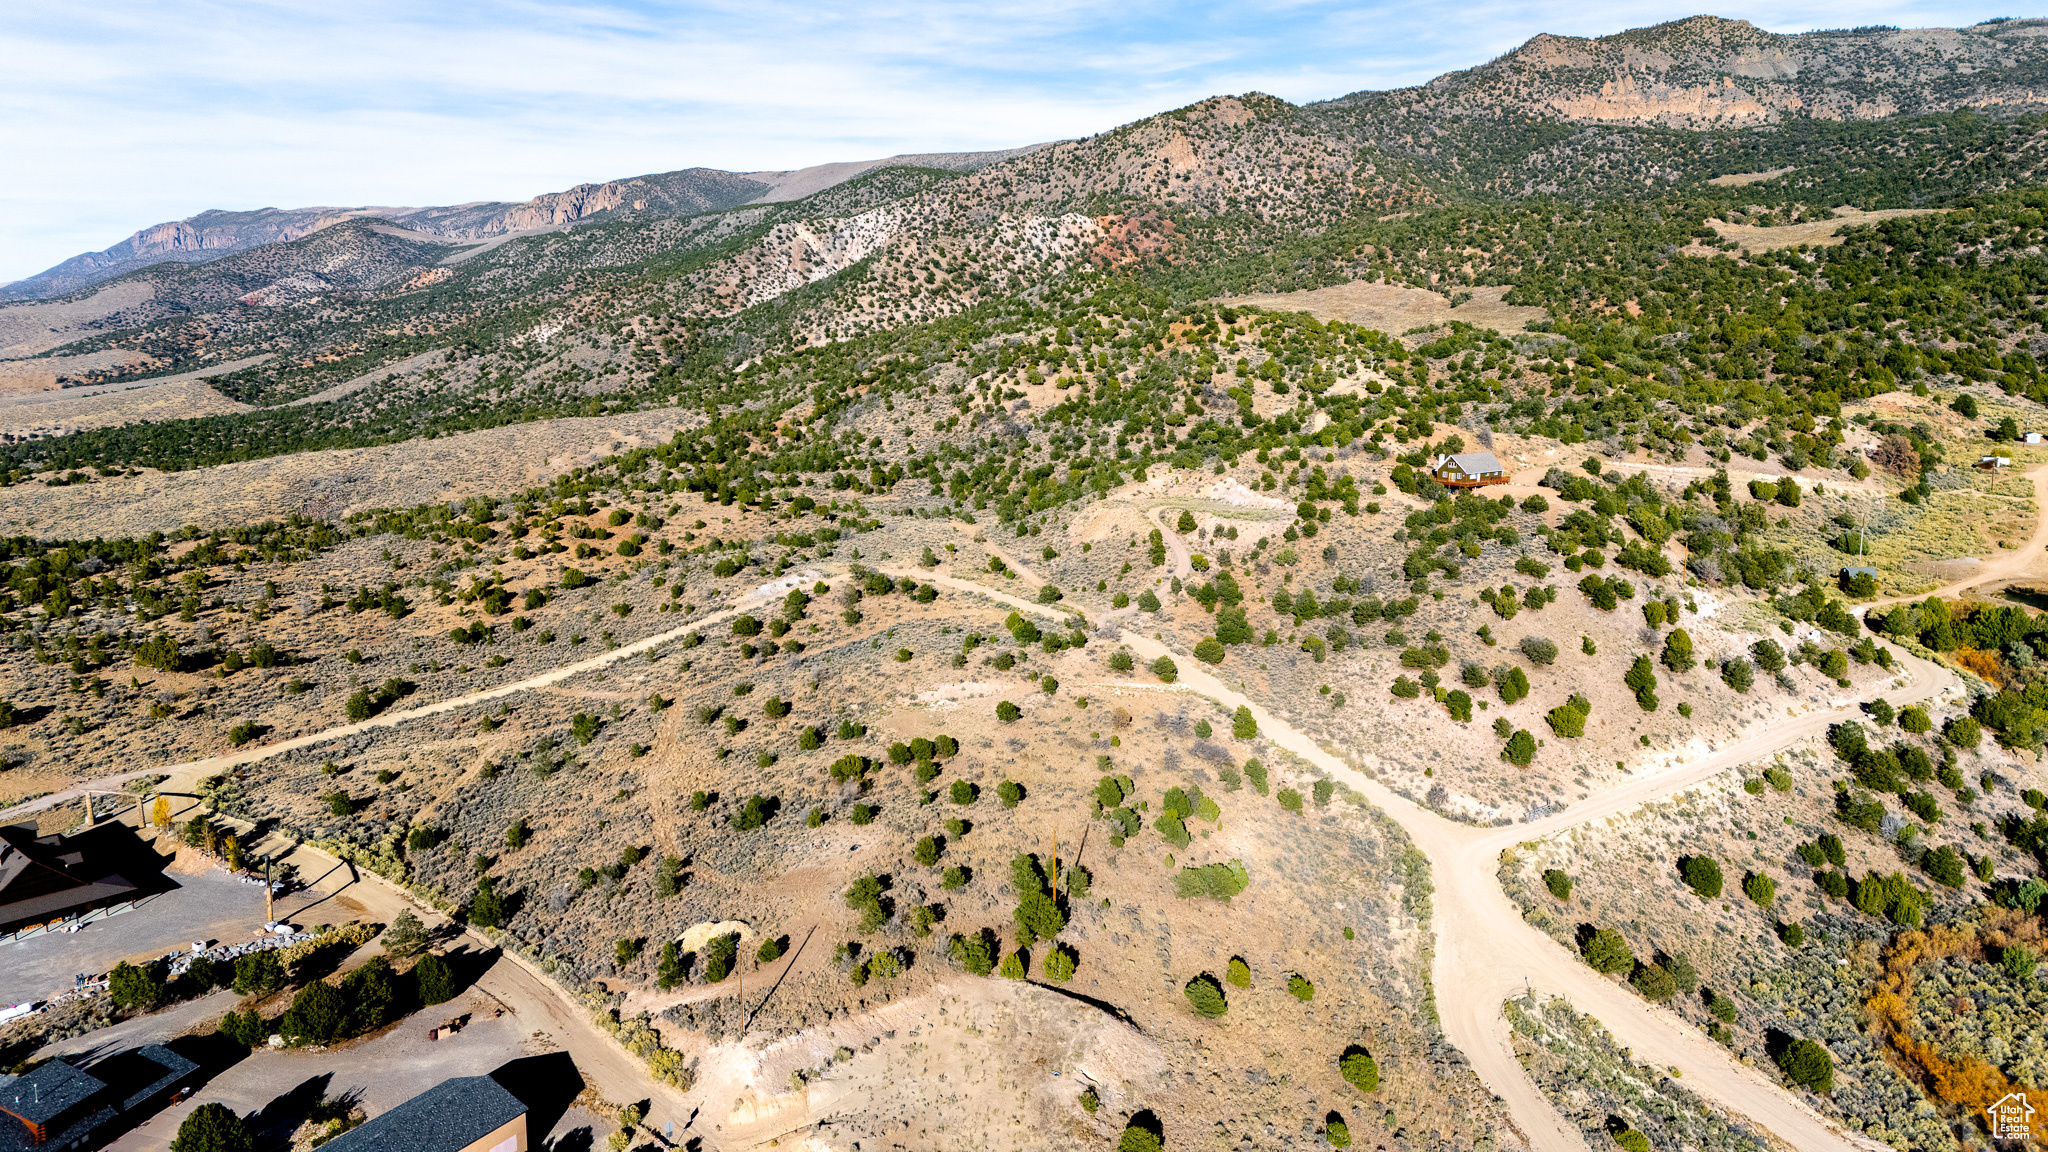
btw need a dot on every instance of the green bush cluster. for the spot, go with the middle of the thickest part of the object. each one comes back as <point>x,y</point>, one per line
<point>1568,720</point>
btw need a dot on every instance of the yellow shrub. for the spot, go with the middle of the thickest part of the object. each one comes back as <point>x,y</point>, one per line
<point>1982,664</point>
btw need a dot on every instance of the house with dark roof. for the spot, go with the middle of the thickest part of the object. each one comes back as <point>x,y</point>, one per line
<point>59,1106</point>
<point>467,1114</point>
<point>47,880</point>
<point>1468,470</point>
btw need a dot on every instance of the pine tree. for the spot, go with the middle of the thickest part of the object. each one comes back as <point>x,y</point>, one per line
<point>406,936</point>
<point>1205,996</point>
<point>486,908</point>
<point>213,1128</point>
<point>434,979</point>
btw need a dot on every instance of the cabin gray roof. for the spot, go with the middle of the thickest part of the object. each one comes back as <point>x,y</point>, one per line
<point>1473,463</point>
<point>451,1115</point>
<point>75,1107</point>
<point>47,1092</point>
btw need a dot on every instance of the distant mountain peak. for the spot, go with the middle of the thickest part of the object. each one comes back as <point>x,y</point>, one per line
<point>1713,72</point>
<point>216,232</point>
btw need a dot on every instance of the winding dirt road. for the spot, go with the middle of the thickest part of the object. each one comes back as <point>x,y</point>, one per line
<point>605,1064</point>
<point>1485,952</point>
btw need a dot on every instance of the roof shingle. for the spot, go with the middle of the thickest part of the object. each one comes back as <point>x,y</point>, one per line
<point>451,1115</point>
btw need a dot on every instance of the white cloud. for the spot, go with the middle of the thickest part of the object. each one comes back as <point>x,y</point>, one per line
<point>117,115</point>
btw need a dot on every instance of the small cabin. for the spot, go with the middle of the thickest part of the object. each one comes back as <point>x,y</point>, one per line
<point>60,1106</point>
<point>466,1114</point>
<point>1994,462</point>
<point>1468,470</point>
<point>2035,438</point>
<point>1859,581</point>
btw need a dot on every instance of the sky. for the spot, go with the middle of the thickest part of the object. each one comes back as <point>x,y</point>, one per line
<point>118,114</point>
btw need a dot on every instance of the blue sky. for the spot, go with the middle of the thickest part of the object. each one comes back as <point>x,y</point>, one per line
<point>119,114</point>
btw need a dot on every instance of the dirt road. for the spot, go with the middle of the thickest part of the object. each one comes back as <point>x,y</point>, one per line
<point>341,891</point>
<point>184,776</point>
<point>540,1003</point>
<point>2014,563</point>
<point>1486,953</point>
<point>545,1005</point>
<point>1737,476</point>
<point>1178,556</point>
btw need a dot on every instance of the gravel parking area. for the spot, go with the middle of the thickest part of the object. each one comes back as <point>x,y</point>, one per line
<point>206,906</point>
<point>276,1087</point>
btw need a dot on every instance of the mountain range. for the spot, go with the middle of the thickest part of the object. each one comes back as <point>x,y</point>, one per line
<point>1703,73</point>
<point>1231,194</point>
<point>213,234</point>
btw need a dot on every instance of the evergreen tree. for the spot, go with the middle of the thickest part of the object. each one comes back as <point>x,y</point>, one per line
<point>1205,996</point>
<point>434,979</point>
<point>213,1127</point>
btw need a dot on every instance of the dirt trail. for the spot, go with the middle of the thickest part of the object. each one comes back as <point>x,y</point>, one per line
<point>184,776</point>
<point>1736,475</point>
<point>605,1065</point>
<point>1486,953</point>
<point>2014,563</point>
<point>1179,557</point>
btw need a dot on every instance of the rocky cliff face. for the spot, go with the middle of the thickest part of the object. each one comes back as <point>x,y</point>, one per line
<point>1706,72</point>
<point>683,193</point>
<point>207,236</point>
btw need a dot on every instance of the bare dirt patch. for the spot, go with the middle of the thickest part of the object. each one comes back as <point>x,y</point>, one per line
<point>329,484</point>
<point>994,1050</point>
<point>1394,308</point>
<point>26,329</point>
<point>1744,179</point>
<point>30,376</point>
<point>47,413</point>
<point>1755,239</point>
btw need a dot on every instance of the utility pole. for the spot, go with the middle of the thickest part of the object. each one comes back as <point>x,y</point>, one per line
<point>1055,864</point>
<point>88,808</point>
<point>269,896</point>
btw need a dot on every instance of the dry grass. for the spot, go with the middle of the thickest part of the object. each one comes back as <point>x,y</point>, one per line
<point>331,484</point>
<point>1814,232</point>
<point>1397,308</point>
<point>1743,179</point>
